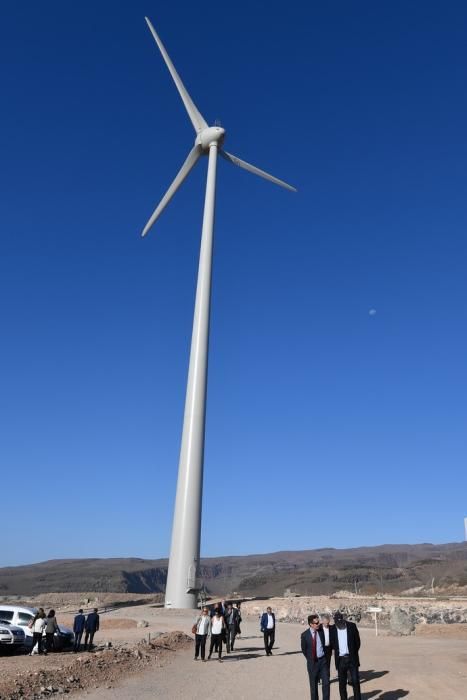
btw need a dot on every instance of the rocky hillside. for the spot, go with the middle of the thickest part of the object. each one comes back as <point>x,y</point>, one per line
<point>398,615</point>
<point>366,570</point>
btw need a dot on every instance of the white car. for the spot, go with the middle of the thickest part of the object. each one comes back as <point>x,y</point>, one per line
<point>11,635</point>
<point>21,617</point>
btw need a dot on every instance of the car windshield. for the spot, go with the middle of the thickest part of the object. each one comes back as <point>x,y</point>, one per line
<point>4,622</point>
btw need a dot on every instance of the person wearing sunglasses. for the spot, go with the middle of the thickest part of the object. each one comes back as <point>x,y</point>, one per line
<point>313,649</point>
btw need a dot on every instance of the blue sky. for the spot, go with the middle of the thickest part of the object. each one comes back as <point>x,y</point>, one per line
<point>327,425</point>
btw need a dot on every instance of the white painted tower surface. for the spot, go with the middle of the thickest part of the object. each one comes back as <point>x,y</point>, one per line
<point>183,583</point>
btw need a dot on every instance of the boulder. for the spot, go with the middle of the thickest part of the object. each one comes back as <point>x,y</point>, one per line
<point>400,622</point>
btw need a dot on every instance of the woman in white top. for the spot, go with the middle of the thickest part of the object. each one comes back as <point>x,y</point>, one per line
<point>217,633</point>
<point>203,628</point>
<point>38,626</point>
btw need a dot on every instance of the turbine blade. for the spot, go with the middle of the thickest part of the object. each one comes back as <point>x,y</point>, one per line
<point>190,162</point>
<point>197,119</point>
<point>256,171</point>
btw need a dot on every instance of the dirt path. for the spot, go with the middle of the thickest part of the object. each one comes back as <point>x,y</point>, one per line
<point>392,668</point>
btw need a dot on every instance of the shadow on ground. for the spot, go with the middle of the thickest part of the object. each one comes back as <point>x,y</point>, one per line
<point>387,695</point>
<point>241,657</point>
<point>371,675</point>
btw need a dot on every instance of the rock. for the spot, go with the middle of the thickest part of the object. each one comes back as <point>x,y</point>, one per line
<point>401,622</point>
<point>142,623</point>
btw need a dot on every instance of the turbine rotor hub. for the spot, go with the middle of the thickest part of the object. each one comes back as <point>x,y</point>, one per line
<point>212,134</point>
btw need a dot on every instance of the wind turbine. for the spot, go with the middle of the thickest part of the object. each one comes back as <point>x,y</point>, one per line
<point>182,576</point>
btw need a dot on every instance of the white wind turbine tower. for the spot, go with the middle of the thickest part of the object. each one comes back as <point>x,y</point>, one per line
<point>182,577</point>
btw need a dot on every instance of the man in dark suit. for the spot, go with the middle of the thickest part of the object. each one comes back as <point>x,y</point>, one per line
<point>325,623</point>
<point>231,621</point>
<point>268,628</point>
<point>91,627</point>
<point>78,629</point>
<point>345,641</point>
<point>313,649</point>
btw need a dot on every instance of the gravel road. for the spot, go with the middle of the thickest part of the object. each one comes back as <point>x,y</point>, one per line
<point>392,668</point>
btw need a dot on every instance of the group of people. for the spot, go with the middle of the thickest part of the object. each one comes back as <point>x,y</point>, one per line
<point>318,643</point>
<point>88,625</point>
<point>222,623</point>
<point>41,623</point>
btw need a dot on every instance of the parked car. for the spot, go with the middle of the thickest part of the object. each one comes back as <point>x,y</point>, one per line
<point>22,616</point>
<point>11,636</point>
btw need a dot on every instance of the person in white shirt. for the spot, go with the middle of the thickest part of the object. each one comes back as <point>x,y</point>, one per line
<point>345,641</point>
<point>313,644</point>
<point>268,628</point>
<point>38,626</point>
<point>325,623</point>
<point>217,633</point>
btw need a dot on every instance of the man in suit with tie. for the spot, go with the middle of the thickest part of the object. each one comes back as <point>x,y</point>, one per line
<point>313,649</point>
<point>345,640</point>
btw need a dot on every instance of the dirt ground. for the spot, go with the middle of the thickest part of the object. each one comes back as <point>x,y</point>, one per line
<point>33,677</point>
<point>391,668</point>
<point>156,661</point>
<point>453,631</point>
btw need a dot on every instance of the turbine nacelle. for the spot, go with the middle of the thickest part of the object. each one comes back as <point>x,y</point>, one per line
<point>212,134</point>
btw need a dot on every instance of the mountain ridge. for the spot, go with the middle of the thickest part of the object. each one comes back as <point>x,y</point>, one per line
<point>389,568</point>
